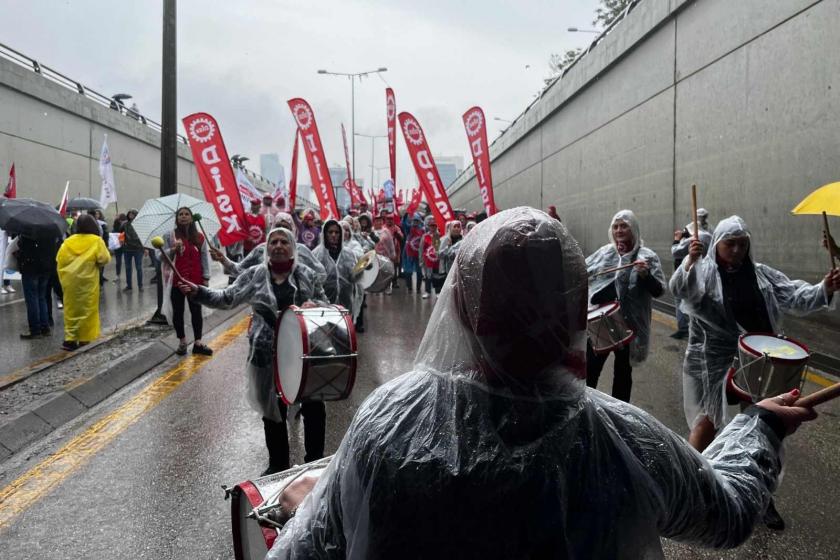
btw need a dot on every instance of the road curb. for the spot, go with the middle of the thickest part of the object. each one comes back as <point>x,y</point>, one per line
<point>56,409</point>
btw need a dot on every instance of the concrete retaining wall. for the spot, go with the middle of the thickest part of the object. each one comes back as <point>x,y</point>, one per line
<point>54,134</point>
<point>741,98</point>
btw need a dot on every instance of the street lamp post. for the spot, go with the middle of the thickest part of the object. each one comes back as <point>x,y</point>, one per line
<point>373,138</point>
<point>353,76</point>
<point>578,30</point>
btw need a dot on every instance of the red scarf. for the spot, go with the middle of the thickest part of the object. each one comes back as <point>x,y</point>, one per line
<point>281,268</point>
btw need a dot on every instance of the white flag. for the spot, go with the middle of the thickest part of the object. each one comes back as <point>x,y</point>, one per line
<point>106,171</point>
<point>246,186</point>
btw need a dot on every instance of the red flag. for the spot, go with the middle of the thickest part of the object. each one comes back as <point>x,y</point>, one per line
<point>424,165</point>
<point>62,206</point>
<point>11,186</point>
<point>314,150</point>
<point>476,126</point>
<point>415,202</point>
<point>349,183</point>
<point>216,175</point>
<point>391,104</point>
<point>293,178</point>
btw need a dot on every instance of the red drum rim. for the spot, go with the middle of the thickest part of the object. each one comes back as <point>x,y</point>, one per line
<point>252,494</point>
<point>602,309</point>
<point>734,389</point>
<point>776,359</point>
<point>620,344</point>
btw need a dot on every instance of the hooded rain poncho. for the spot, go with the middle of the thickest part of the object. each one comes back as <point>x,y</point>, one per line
<point>493,447</point>
<point>633,295</point>
<point>340,286</point>
<point>254,286</point>
<point>79,259</point>
<point>713,334</point>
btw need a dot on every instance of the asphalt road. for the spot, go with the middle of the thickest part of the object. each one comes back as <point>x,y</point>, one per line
<point>140,476</point>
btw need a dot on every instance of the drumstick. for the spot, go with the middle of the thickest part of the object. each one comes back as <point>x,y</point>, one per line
<point>694,211</point>
<point>821,396</point>
<point>157,243</point>
<point>828,239</point>
<point>197,219</point>
<point>617,268</point>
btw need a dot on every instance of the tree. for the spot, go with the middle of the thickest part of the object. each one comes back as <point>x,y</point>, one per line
<point>559,62</point>
<point>609,10</point>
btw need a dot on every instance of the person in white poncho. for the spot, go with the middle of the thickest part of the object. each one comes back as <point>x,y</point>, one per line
<point>493,446</point>
<point>634,288</point>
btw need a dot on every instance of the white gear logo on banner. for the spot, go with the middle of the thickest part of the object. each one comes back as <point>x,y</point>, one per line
<point>202,130</point>
<point>303,116</point>
<point>474,122</point>
<point>412,132</point>
<point>392,108</point>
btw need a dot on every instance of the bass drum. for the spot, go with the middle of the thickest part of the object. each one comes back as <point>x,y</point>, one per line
<point>767,365</point>
<point>252,539</point>
<point>315,356</point>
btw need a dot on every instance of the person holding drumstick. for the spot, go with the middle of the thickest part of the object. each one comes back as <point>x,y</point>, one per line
<point>493,446</point>
<point>279,282</point>
<point>626,271</point>
<point>725,294</point>
<point>679,250</point>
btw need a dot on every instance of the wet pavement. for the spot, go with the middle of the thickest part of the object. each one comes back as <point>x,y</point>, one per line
<point>118,310</point>
<point>151,486</point>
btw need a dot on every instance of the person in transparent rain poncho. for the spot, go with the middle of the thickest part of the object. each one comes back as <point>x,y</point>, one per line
<point>725,294</point>
<point>493,446</point>
<point>449,245</point>
<point>257,254</point>
<point>634,288</point>
<point>338,260</point>
<point>679,250</point>
<point>280,281</point>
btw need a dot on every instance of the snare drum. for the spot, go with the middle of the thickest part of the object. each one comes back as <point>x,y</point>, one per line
<point>252,539</point>
<point>377,275</point>
<point>315,354</point>
<point>607,329</point>
<point>767,365</point>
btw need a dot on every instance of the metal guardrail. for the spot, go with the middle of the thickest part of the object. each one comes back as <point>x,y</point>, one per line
<point>70,84</point>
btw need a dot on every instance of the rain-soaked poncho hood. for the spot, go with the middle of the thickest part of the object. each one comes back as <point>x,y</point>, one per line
<point>496,449</point>
<point>339,284</point>
<point>630,288</point>
<point>713,332</point>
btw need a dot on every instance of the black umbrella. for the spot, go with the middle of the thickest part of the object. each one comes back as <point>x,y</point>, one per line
<point>83,203</point>
<point>31,218</point>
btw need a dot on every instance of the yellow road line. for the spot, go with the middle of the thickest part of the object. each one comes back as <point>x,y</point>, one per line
<point>810,375</point>
<point>35,483</point>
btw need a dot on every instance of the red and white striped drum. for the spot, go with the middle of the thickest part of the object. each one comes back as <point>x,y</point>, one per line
<point>767,365</point>
<point>315,354</point>
<point>252,503</point>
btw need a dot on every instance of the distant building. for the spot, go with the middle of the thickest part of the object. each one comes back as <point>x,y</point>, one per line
<point>272,169</point>
<point>449,168</point>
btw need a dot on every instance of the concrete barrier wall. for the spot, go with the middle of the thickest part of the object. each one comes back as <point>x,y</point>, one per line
<point>53,135</point>
<point>740,98</point>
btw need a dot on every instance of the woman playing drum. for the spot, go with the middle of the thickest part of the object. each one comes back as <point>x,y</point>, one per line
<point>271,288</point>
<point>725,294</point>
<point>634,288</point>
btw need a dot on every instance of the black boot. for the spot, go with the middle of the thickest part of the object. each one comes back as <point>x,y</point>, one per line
<point>277,442</point>
<point>772,519</point>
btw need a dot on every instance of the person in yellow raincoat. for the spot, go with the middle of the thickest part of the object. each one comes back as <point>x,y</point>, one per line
<point>79,260</point>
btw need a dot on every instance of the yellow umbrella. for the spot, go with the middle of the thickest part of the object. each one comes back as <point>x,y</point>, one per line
<point>824,200</point>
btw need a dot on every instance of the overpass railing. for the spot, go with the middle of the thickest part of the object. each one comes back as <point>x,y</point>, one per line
<point>68,83</point>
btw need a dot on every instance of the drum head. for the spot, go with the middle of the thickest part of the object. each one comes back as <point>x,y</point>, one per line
<point>779,348</point>
<point>599,310</point>
<point>250,540</point>
<point>370,274</point>
<point>289,360</point>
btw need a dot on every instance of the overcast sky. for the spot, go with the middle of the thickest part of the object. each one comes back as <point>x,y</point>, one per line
<point>241,60</point>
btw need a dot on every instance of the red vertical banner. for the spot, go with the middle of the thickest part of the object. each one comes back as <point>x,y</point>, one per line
<point>11,186</point>
<point>318,170</point>
<point>476,126</point>
<point>415,202</point>
<point>391,112</point>
<point>427,172</point>
<point>216,175</point>
<point>293,175</point>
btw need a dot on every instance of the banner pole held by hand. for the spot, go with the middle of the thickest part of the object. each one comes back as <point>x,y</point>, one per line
<point>694,211</point>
